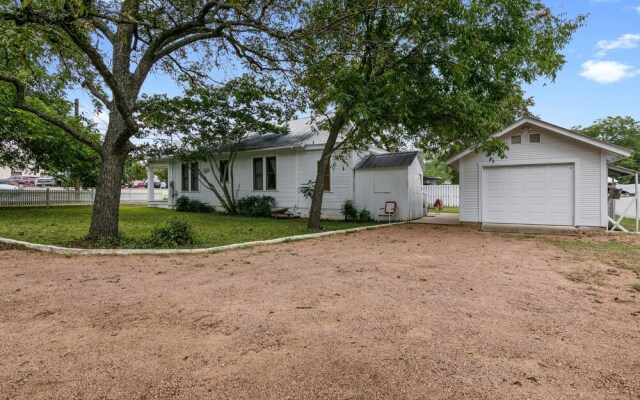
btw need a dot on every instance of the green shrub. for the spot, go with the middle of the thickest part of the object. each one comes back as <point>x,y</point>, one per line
<point>255,206</point>
<point>173,233</point>
<point>349,211</point>
<point>307,189</point>
<point>185,204</point>
<point>365,215</point>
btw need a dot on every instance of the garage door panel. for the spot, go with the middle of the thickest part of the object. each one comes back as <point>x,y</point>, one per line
<point>536,194</point>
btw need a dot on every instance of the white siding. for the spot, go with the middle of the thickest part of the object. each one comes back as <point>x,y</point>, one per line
<point>294,168</point>
<point>414,197</point>
<point>552,148</point>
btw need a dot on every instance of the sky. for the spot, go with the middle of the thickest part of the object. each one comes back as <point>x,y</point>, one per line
<point>601,76</point>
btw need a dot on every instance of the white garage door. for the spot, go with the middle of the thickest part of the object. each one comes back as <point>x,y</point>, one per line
<point>532,194</point>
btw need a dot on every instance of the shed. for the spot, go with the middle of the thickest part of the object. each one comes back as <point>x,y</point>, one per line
<point>390,177</point>
<point>549,176</point>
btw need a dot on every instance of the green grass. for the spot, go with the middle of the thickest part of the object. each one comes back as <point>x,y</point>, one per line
<point>65,226</point>
<point>628,223</point>
<point>613,252</point>
<point>450,210</point>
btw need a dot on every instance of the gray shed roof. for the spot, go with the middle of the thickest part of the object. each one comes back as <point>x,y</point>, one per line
<point>388,160</point>
<point>301,132</point>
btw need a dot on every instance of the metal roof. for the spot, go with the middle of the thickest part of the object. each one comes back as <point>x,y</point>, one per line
<point>302,131</point>
<point>389,160</point>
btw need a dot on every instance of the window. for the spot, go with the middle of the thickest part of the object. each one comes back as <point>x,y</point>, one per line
<point>516,139</point>
<point>224,174</point>
<point>327,179</point>
<point>185,177</point>
<point>534,138</point>
<point>190,182</point>
<point>258,175</point>
<point>195,183</point>
<point>271,172</point>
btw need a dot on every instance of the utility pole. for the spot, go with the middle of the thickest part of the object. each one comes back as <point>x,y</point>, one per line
<point>76,106</point>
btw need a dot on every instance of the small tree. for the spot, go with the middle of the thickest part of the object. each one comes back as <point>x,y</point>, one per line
<point>210,123</point>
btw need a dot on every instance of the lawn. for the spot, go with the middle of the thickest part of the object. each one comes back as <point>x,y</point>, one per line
<point>66,226</point>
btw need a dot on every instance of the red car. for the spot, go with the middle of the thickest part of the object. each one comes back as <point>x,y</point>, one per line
<point>23,180</point>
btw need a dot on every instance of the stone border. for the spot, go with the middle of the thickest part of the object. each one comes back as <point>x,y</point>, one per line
<point>124,252</point>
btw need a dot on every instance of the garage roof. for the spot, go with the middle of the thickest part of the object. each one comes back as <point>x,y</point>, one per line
<point>388,160</point>
<point>620,152</point>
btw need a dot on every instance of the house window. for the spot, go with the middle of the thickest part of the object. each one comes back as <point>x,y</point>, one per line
<point>190,182</point>
<point>224,174</point>
<point>258,174</point>
<point>185,177</point>
<point>516,139</point>
<point>534,138</point>
<point>195,183</point>
<point>327,179</point>
<point>270,163</point>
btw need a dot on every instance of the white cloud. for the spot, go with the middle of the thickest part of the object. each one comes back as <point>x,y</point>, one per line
<point>606,72</point>
<point>637,9</point>
<point>626,41</point>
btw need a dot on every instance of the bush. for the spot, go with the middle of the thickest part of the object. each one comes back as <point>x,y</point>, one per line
<point>255,206</point>
<point>185,204</point>
<point>365,215</point>
<point>349,211</point>
<point>173,233</point>
<point>307,189</point>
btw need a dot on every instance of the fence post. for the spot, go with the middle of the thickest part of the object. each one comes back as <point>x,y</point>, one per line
<point>93,195</point>
<point>46,197</point>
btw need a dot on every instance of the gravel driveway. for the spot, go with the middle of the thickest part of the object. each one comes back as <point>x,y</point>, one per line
<point>405,312</point>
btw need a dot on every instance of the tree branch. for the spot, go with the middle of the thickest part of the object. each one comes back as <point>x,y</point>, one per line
<point>20,104</point>
<point>96,92</point>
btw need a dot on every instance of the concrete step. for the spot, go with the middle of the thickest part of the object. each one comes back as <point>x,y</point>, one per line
<point>531,229</point>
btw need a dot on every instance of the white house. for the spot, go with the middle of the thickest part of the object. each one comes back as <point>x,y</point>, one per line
<point>550,176</point>
<point>278,165</point>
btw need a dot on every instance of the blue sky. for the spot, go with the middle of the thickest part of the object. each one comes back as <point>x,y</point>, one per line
<point>602,75</point>
<point>600,78</point>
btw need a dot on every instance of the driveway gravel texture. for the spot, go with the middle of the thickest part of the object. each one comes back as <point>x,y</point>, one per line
<point>405,312</point>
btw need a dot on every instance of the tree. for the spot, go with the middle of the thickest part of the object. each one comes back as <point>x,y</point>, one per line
<point>440,73</point>
<point>210,123</point>
<point>27,141</point>
<point>622,131</point>
<point>111,47</point>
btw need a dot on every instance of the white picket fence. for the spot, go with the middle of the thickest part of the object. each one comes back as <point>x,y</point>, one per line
<point>44,197</point>
<point>66,197</point>
<point>449,194</point>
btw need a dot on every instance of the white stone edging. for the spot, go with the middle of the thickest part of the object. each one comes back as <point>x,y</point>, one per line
<point>122,252</point>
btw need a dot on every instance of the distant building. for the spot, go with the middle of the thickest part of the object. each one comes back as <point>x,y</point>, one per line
<point>430,180</point>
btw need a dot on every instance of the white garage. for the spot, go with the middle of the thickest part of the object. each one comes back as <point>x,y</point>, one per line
<point>549,176</point>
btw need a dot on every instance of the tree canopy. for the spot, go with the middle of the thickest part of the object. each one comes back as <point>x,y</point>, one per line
<point>110,48</point>
<point>619,130</point>
<point>439,73</point>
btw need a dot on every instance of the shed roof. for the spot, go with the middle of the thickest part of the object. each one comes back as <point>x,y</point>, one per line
<point>388,160</point>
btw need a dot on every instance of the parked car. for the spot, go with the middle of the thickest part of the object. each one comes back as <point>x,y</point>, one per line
<point>48,181</point>
<point>23,180</point>
<point>138,184</point>
<point>156,184</point>
<point>6,184</point>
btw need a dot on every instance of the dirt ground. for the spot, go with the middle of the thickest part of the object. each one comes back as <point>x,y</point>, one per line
<point>404,312</point>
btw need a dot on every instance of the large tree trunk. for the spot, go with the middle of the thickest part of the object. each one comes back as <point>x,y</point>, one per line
<point>106,207</point>
<point>323,168</point>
